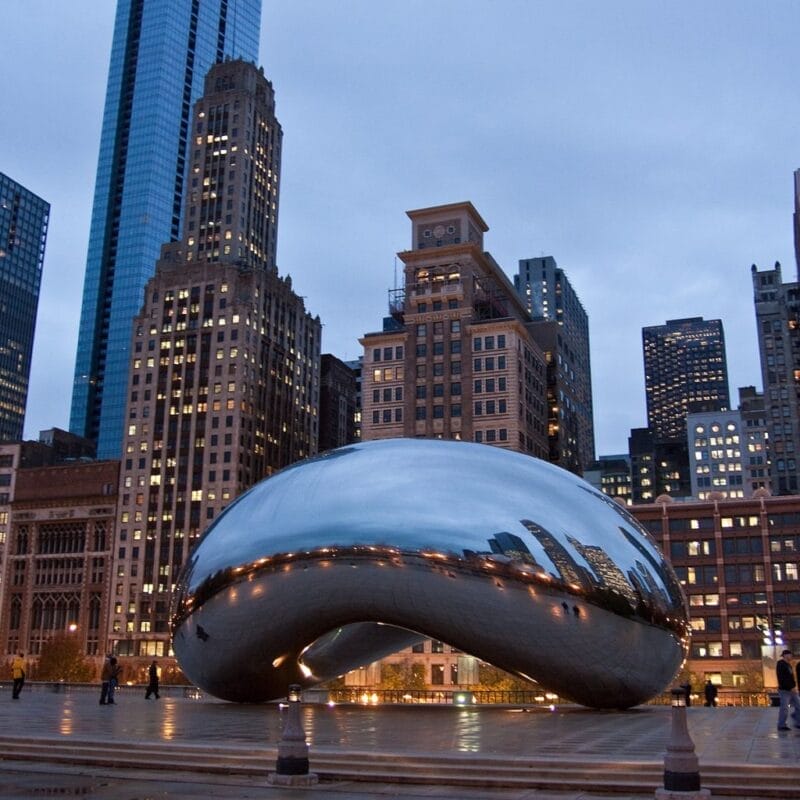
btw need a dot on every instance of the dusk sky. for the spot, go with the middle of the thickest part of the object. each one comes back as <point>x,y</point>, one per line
<point>648,147</point>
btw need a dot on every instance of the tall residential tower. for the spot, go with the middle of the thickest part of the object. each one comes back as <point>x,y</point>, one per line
<point>456,360</point>
<point>685,371</point>
<point>23,232</point>
<point>561,328</point>
<point>777,306</point>
<point>223,385</point>
<point>161,52</point>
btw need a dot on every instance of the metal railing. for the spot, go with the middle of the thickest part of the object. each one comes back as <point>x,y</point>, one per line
<point>363,696</point>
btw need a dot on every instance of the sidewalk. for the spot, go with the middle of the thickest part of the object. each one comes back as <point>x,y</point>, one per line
<point>732,736</point>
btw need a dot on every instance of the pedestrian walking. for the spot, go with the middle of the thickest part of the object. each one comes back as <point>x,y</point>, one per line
<point>18,675</point>
<point>109,678</point>
<point>787,691</point>
<point>710,692</point>
<point>687,692</point>
<point>152,686</point>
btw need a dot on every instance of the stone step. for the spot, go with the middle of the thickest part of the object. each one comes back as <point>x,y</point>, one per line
<point>476,770</point>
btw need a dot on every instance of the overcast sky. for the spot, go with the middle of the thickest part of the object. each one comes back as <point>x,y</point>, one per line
<point>647,146</point>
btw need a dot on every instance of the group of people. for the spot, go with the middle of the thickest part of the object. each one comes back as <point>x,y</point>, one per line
<point>109,679</point>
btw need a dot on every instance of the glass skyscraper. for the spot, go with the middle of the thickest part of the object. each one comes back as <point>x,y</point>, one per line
<point>23,232</point>
<point>161,52</point>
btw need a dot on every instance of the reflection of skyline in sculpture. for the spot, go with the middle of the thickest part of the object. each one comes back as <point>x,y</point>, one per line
<point>567,568</point>
<point>508,544</point>
<point>607,571</point>
<point>298,581</point>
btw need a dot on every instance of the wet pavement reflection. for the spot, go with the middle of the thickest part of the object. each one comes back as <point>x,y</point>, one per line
<point>745,735</point>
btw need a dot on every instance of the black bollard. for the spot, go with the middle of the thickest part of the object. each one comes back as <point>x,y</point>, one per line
<point>681,767</point>
<point>291,767</point>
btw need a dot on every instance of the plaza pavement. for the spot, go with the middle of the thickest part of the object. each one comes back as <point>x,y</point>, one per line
<point>65,743</point>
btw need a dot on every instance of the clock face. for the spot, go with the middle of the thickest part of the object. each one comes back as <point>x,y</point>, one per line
<point>438,231</point>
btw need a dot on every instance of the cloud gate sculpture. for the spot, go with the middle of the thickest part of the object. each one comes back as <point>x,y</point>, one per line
<point>340,560</point>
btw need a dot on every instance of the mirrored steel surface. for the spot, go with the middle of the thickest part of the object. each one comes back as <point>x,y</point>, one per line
<point>340,560</point>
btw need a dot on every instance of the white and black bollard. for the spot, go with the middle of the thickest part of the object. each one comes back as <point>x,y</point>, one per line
<point>291,767</point>
<point>681,767</point>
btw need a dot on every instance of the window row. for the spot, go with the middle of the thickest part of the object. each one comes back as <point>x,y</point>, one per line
<point>387,354</point>
<point>438,348</point>
<point>437,412</point>
<point>386,415</point>
<point>488,364</point>
<point>488,342</point>
<point>491,435</point>
<point>437,305</point>
<point>490,385</point>
<point>489,407</point>
<point>437,328</point>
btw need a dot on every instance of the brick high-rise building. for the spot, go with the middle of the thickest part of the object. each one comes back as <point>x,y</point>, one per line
<point>223,387</point>
<point>561,328</point>
<point>24,219</point>
<point>457,359</point>
<point>161,52</point>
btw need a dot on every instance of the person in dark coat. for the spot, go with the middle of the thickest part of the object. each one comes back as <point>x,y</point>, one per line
<point>711,694</point>
<point>152,686</point>
<point>105,681</point>
<point>687,692</point>
<point>787,691</point>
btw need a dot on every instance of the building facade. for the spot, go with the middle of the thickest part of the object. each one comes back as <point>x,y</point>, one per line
<point>23,234</point>
<point>756,439</point>
<point>738,563</point>
<point>54,447</point>
<point>224,380</point>
<point>357,366</point>
<point>456,360</point>
<point>612,476</point>
<point>161,52</point>
<point>337,404</point>
<point>561,328</point>
<point>685,371</point>
<point>57,570</point>
<point>777,307</point>
<point>658,467</point>
<point>717,455</point>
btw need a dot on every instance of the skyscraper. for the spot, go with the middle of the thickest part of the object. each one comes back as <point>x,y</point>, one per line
<point>561,328</point>
<point>23,233</point>
<point>777,306</point>
<point>161,52</point>
<point>456,358</point>
<point>224,379</point>
<point>685,370</point>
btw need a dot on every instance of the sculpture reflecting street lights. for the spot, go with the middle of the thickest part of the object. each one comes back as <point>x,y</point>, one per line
<point>339,560</point>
